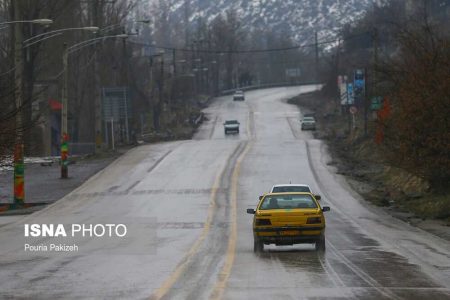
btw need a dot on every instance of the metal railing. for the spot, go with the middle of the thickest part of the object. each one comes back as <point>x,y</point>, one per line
<point>266,85</point>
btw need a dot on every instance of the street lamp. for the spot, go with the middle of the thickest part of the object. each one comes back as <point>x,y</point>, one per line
<point>46,35</point>
<point>19,171</point>
<point>44,22</point>
<point>64,99</point>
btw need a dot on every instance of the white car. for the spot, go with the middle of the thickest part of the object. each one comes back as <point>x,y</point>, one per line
<point>308,123</point>
<point>287,188</point>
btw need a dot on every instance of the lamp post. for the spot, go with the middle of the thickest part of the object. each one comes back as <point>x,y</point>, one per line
<point>64,98</point>
<point>19,172</point>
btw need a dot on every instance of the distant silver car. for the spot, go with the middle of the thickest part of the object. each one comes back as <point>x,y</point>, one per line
<point>231,126</point>
<point>308,123</point>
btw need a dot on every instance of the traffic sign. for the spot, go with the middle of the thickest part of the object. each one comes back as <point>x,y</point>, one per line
<point>359,79</point>
<point>375,103</point>
<point>353,110</point>
<point>350,94</point>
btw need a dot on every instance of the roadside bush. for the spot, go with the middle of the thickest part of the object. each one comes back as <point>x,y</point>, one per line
<point>418,130</point>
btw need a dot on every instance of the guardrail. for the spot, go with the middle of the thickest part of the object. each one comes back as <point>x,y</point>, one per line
<point>266,85</point>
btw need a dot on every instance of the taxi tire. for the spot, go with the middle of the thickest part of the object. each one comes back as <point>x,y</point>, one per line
<point>258,246</point>
<point>320,244</point>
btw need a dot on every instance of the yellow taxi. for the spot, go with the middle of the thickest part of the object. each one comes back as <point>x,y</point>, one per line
<point>288,219</point>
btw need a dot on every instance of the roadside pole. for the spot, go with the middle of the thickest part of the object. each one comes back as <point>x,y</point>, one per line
<point>19,169</point>
<point>373,80</point>
<point>316,50</point>
<point>353,110</point>
<point>64,102</point>
<point>366,108</point>
<point>112,133</point>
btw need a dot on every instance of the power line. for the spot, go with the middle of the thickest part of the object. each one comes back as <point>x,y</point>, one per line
<point>251,50</point>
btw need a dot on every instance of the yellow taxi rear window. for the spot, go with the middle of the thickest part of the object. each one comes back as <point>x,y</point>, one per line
<point>287,202</point>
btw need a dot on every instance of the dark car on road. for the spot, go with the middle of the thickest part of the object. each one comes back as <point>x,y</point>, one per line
<point>231,126</point>
<point>238,96</point>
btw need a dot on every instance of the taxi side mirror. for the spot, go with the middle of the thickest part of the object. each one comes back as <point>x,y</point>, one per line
<point>260,197</point>
<point>317,197</point>
<point>250,211</point>
<point>326,208</point>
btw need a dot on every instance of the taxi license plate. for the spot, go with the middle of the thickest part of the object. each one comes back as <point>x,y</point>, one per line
<point>290,232</point>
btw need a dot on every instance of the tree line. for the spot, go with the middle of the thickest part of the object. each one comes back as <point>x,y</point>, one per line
<point>167,64</point>
<point>404,46</point>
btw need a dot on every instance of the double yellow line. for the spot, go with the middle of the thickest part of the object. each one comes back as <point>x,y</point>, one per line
<point>169,282</point>
<point>220,285</point>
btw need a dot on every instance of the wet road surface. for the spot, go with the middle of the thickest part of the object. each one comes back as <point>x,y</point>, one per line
<point>189,236</point>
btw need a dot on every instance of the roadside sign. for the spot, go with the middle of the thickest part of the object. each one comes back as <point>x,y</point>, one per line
<point>344,98</point>
<point>353,110</point>
<point>116,104</point>
<point>375,103</point>
<point>116,108</point>
<point>359,86</point>
<point>350,94</point>
<point>359,79</point>
<point>342,85</point>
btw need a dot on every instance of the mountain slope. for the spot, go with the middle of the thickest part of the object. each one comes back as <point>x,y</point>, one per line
<point>301,18</point>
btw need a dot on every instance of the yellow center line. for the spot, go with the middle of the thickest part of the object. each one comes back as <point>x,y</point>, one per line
<point>221,283</point>
<point>165,287</point>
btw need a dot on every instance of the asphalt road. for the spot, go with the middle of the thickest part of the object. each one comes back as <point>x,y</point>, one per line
<point>189,236</point>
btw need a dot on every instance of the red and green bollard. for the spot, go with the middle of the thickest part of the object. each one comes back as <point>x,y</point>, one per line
<point>64,155</point>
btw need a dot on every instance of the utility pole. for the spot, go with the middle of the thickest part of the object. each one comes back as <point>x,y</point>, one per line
<point>19,168</point>
<point>125,83</point>
<point>64,103</point>
<point>172,96</point>
<point>95,20</point>
<point>97,99</point>
<point>209,72</point>
<point>174,64</point>
<point>338,98</point>
<point>157,107</point>
<point>316,46</point>
<point>366,105</point>
<point>375,61</point>
<point>372,92</point>
<point>161,76</point>
<point>150,85</point>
